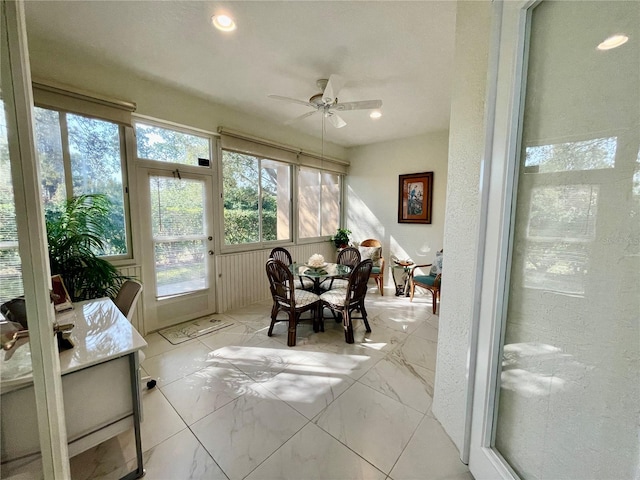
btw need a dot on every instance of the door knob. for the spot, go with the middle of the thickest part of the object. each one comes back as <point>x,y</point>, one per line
<point>210,252</point>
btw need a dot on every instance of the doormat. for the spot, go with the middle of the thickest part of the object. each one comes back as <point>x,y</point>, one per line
<point>192,329</point>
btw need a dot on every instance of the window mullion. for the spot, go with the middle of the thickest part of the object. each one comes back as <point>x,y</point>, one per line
<point>260,239</point>
<point>319,203</point>
<point>66,155</point>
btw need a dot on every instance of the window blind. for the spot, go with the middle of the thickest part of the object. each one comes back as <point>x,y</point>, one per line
<point>59,97</point>
<point>242,143</point>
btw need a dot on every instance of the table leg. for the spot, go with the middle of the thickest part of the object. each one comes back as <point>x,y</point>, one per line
<point>134,368</point>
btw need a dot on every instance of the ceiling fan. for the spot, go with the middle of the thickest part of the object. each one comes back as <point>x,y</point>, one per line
<point>327,103</point>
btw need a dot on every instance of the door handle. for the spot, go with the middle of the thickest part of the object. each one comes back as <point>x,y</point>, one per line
<point>210,252</point>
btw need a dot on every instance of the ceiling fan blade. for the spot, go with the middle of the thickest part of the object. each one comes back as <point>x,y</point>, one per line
<point>363,105</point>
<point>336,120</point>
<point>292,100</point>
<point>334,85</point>
<point>308,114</point>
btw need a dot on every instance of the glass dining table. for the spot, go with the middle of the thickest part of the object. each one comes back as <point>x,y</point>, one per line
<point>327,271</point>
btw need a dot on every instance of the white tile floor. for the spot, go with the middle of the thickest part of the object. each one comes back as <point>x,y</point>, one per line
<point>237,404</point>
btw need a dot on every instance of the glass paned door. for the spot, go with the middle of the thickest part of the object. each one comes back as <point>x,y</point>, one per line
<point>563,402</point>
<point>570,374</point>
<point>180,234</point>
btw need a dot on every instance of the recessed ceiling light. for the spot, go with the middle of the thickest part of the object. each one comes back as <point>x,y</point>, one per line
<point>375,114</point>
<point>613,41</point>
<point>223,23</point>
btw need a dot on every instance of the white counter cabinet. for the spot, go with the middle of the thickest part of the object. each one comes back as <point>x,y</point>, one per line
<point>100,384</point>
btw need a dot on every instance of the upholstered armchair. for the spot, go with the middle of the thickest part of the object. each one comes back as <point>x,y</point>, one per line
<point>372,249</point>
<point>429,282</point>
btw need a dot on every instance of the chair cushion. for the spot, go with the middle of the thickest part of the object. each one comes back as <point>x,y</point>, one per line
<point>375,270</point>
<point>436,268</point>
<point>335,296</point>
<point>303,298</point>
<point>307,283</point>
<point>425,279</point>
<point>373,253</point>
<point>339,283</point>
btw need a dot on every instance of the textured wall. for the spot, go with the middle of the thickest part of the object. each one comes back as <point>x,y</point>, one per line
<point>372,195</point>
<point>466,146</point>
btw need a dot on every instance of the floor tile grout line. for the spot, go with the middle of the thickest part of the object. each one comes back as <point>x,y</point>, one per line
<point>347,446</point>
<point>283,444</point>
<point>206,450</point>
<point>409,441</point>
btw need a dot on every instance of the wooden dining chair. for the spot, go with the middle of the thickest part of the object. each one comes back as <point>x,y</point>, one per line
<point>349,256</point>
<point>289,300</point>
<point>372,248</point>
<point>282,254</point>
<point>347,301</point>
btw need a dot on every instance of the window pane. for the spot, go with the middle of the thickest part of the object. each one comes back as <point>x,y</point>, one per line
<point>276,205</point>
<point>180,267</point>
<point>177,207</point>
<point>49,147</point>
<point>318,203</point>
<point>330,202</point>
<point>591,154</point>
<point>10,267</point>
<point>308,203</point>
<point>179,229</point>
<point>241,195</point>
<point>164,145</point>
<point>96,167</point>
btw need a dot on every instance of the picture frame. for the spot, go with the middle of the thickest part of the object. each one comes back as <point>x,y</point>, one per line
<point>60,295</point>
<point>415,198</point>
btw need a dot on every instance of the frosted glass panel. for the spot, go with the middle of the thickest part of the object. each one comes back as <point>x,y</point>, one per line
<point>570,381</point>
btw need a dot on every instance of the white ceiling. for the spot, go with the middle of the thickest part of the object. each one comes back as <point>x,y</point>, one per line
<point>399,52</point>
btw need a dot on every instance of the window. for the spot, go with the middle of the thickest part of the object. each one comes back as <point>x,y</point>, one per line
<point>591,154</point>
<point>164,145</point>
<point>10,266</point>
<point>318,203</point>
<point>82,155</point>
<point>561,226</point>
<point>257,199</point>
<point>179,230</point>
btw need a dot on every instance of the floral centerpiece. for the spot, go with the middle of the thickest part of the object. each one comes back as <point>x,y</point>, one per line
<point>316,261</point>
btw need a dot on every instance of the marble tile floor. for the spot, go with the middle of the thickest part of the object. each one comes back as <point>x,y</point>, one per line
<point>238,404</point>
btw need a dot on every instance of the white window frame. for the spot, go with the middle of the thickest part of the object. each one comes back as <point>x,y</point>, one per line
<point>321,238</point>
<point>66,158</point>
<point>260,244</point>
<point>167,125</point>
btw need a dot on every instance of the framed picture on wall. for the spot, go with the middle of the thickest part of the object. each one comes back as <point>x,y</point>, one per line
<point>415,196</point>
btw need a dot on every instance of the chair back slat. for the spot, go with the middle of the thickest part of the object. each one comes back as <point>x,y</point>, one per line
<point>349,256</point>
<point>282,254</point>
<point>358,279</point>
<point>280,281</point>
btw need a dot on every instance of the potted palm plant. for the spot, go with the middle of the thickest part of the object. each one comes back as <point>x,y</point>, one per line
<point>75,234</point>
<point>341,238</point>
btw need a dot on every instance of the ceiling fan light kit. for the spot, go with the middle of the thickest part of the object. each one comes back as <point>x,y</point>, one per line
<point>327,102</point>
